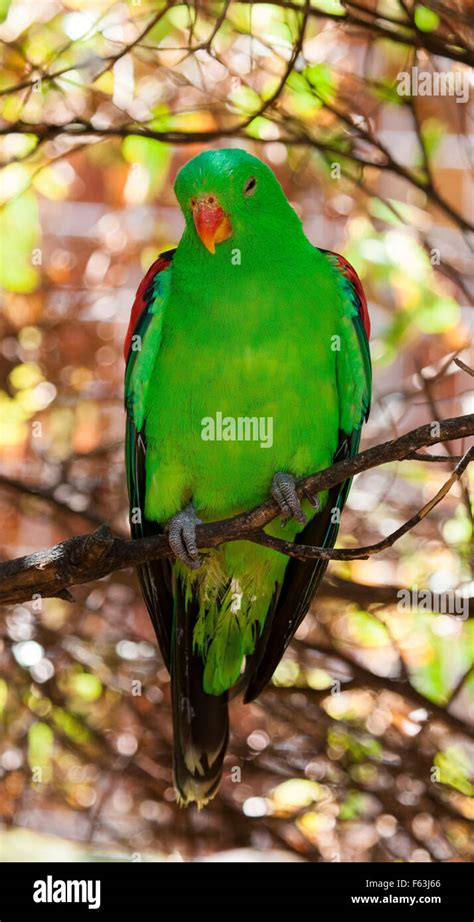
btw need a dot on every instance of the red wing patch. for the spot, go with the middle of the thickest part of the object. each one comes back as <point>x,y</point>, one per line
<point>349,273</point>
<point>141,302</point>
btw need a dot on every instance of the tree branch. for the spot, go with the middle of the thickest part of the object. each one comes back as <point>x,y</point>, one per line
<point>305,552</point>
<point>89,557</point>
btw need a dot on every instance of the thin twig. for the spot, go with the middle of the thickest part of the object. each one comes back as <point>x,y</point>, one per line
<point>464,367</point>
<point>306,552</point>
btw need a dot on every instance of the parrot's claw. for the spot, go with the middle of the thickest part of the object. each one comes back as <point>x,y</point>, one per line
<point>181,531</point>
<point>314,500</point>
<point>284,493</point>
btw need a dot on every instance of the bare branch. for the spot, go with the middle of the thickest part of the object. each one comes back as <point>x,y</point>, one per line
<point>464,367</point>
<point>93,556</point>
<point>305,552</point>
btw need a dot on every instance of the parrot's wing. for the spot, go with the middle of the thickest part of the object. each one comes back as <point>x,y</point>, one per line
<point>200,721</point>
<point>354,381</point>
<point>354,368</point>
<point>142,343</point>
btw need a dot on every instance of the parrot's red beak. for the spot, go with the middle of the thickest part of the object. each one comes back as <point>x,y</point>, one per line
<point>211,222</point>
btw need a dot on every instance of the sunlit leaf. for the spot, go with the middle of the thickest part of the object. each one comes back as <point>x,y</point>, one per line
<point>86,686</point>
<point>19,232</point>
<point>294,794</point>
<point>40,749</point>
<point>321,77</point>
<point>4,7</point>
<point>433,131</point>
<point>454,766</point>
<point>153,156</point>
<point>426,20</point>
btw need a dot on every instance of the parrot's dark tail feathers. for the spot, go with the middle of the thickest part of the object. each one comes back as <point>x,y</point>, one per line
<point>200,721</point>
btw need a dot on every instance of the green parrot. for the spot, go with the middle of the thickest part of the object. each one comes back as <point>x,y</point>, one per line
<point>247,366</point>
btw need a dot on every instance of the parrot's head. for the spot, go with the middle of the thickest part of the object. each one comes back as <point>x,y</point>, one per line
<point>227,193</point>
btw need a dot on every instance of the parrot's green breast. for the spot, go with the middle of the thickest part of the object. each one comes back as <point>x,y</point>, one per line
<point>244,385</point>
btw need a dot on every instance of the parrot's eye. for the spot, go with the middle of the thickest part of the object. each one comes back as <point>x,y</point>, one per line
<point>211,200</point>
<point>250,186</point>
<point>193,201</point>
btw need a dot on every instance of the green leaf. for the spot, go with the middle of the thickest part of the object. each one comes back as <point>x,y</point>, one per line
<point>379,209</point>
<point>304,101</point>
<point>70,725</point>
<point>353,806</point>
<point>4,7</point>
<point>153,155</point>
<point>446,658</point>
<point>296,794</point>
<point>387,92</point>
<point>87,686</point>
<point>40,748</point>
<point>19,233</point>
<point>433,131</point>
<point>3,694</point>
<point>333,7</point>
<point>453,764</point>
<point>436,314</point>
<point>245,99</point>
<point>321,77</point>
<point>426,20</point>
<point>368,630</point>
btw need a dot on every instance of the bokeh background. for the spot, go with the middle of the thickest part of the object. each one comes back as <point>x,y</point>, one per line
<point>360,749</point>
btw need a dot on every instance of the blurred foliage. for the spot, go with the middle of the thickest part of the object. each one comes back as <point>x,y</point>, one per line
<point>359,750</point>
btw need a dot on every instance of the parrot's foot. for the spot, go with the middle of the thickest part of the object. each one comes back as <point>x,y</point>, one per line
<point>181,531</point>
<point>284,493</point>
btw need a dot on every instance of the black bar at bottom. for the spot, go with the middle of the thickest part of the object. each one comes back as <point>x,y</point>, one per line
<point>222,892</point>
